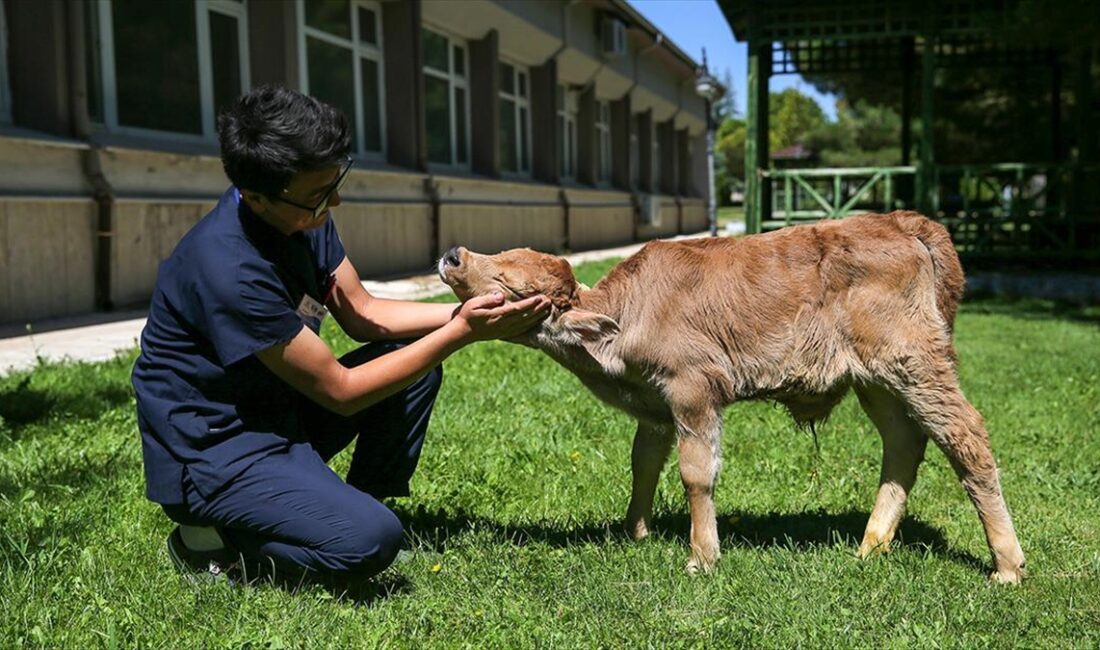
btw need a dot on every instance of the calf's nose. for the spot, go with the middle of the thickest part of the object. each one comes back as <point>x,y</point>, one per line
<point>451,257</point>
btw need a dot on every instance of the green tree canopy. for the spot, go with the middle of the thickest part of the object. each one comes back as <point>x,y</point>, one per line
<point>863,135</point>
<point>791,116</point>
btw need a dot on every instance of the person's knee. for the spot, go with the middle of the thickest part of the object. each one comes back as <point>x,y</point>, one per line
<point>369,547</point>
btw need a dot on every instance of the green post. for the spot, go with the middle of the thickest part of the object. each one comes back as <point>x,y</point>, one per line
<point>756,135</point>
<point>838,200</point>
<point>1085,150</point>
<point>752,202</point>
<point>907,56</point>
<point>925,173</point>
<point>788,199</point>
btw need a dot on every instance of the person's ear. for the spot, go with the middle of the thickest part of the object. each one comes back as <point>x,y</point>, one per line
<point>257,202</point>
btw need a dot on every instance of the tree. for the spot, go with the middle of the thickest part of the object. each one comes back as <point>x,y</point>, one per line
<point>729,158</point>
<point>729,142</point>
<point>791,116</point>
<point>726,106</point>
<point>862,136</point>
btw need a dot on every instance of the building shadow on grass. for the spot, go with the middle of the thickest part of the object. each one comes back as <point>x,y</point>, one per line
<point>61,480</point>
<point>22,405</point>
<point>798,531</point>
<point>1030,308</point>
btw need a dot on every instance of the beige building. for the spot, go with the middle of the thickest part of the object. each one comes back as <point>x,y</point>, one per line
<point>560,125</point>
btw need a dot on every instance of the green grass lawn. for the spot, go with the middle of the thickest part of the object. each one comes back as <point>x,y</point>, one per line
<point>517,505</point>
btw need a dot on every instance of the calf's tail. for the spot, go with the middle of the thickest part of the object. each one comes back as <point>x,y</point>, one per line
<point>945,261</point>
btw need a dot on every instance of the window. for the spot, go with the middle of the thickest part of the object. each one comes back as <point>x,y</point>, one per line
<point>446,99</point>
<point>603,137</point>
<point>166,67</point>
<point>515,107</point>
<point>655,158</point>
<point>342,65</point>
<point>567,131</point>
<point>635,152</point>
<point>5,90</point>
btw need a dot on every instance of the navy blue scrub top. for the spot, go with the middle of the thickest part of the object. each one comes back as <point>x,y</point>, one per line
<point>233,286</point>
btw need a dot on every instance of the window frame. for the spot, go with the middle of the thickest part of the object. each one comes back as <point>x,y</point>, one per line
<point>5,84</point>
<point>203,8</point>
<point>359,51</point>
<point>568,108</point>
<point>603,141</point>
<point>453,82</point>
<point>524,165</point>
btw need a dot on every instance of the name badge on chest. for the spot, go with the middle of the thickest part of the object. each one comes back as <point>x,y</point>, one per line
<point>310,309</point>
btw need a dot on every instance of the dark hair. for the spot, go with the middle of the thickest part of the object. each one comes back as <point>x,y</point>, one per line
<point>272,133</point>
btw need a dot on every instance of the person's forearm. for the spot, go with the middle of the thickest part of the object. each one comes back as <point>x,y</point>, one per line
<point>374,381</point>
<point>399,319</point>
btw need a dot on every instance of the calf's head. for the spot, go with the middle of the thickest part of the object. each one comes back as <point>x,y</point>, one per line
<point>521,273</point>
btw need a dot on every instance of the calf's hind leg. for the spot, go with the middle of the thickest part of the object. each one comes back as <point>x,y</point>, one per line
<point>937,403</point>
<point>903,445</point>
<point>652,443</point>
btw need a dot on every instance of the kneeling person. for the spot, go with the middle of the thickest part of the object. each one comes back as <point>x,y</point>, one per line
<point>241,404</point>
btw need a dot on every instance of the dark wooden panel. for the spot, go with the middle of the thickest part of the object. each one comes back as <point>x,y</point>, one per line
<point>544,122</point>
<point>484,99</point>
<point>405,140</point>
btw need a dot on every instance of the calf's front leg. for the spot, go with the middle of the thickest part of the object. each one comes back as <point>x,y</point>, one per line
<point>652,443</point>
<point>698,433</point>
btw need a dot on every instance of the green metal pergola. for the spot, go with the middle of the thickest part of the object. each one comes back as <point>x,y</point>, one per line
<point>1044,207</point>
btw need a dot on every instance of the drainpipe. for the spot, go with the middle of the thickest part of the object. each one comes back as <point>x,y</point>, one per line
<point>564,27</point>
<point>657,40</point>
<point>431,190</point>
<point>102,192</point>
<point>592,80</point>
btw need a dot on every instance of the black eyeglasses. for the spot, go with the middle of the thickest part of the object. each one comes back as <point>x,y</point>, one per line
<point>320,208</point>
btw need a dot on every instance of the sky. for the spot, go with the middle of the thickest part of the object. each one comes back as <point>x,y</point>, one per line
<point>695,24</point>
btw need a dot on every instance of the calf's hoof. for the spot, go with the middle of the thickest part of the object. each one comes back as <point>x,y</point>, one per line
<point>700,564</point>
<point>871,547</point>
<point>1007,576</point>
<point>637,530</point>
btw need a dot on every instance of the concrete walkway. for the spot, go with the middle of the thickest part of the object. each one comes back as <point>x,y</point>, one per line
<point>98,337</point>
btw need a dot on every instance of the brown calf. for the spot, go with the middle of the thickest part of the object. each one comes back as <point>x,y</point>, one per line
<point>681,329</point>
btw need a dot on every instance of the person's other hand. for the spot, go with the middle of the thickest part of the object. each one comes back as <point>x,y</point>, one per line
<point>488,317</point>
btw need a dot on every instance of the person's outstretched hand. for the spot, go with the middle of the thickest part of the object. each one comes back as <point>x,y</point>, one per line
<point>488,317</point>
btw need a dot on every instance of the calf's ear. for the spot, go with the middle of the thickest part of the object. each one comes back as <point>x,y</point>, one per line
<point>589,326</point>
<point>594,332</point>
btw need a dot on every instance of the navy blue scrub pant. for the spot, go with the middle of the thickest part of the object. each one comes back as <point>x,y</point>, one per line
<point>291,509</point>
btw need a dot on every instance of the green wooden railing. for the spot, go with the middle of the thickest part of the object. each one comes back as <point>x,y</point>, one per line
<point>994,210</point>
<point>1015,207</point>
<point>801,195</point>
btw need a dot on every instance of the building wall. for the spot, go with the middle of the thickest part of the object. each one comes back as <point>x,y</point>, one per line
<point>46,253</point>
<point>396,217</point>
<point>386,238</point>
<point>146,232</point>
<point>599,219</point>
<point>694,215</point>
